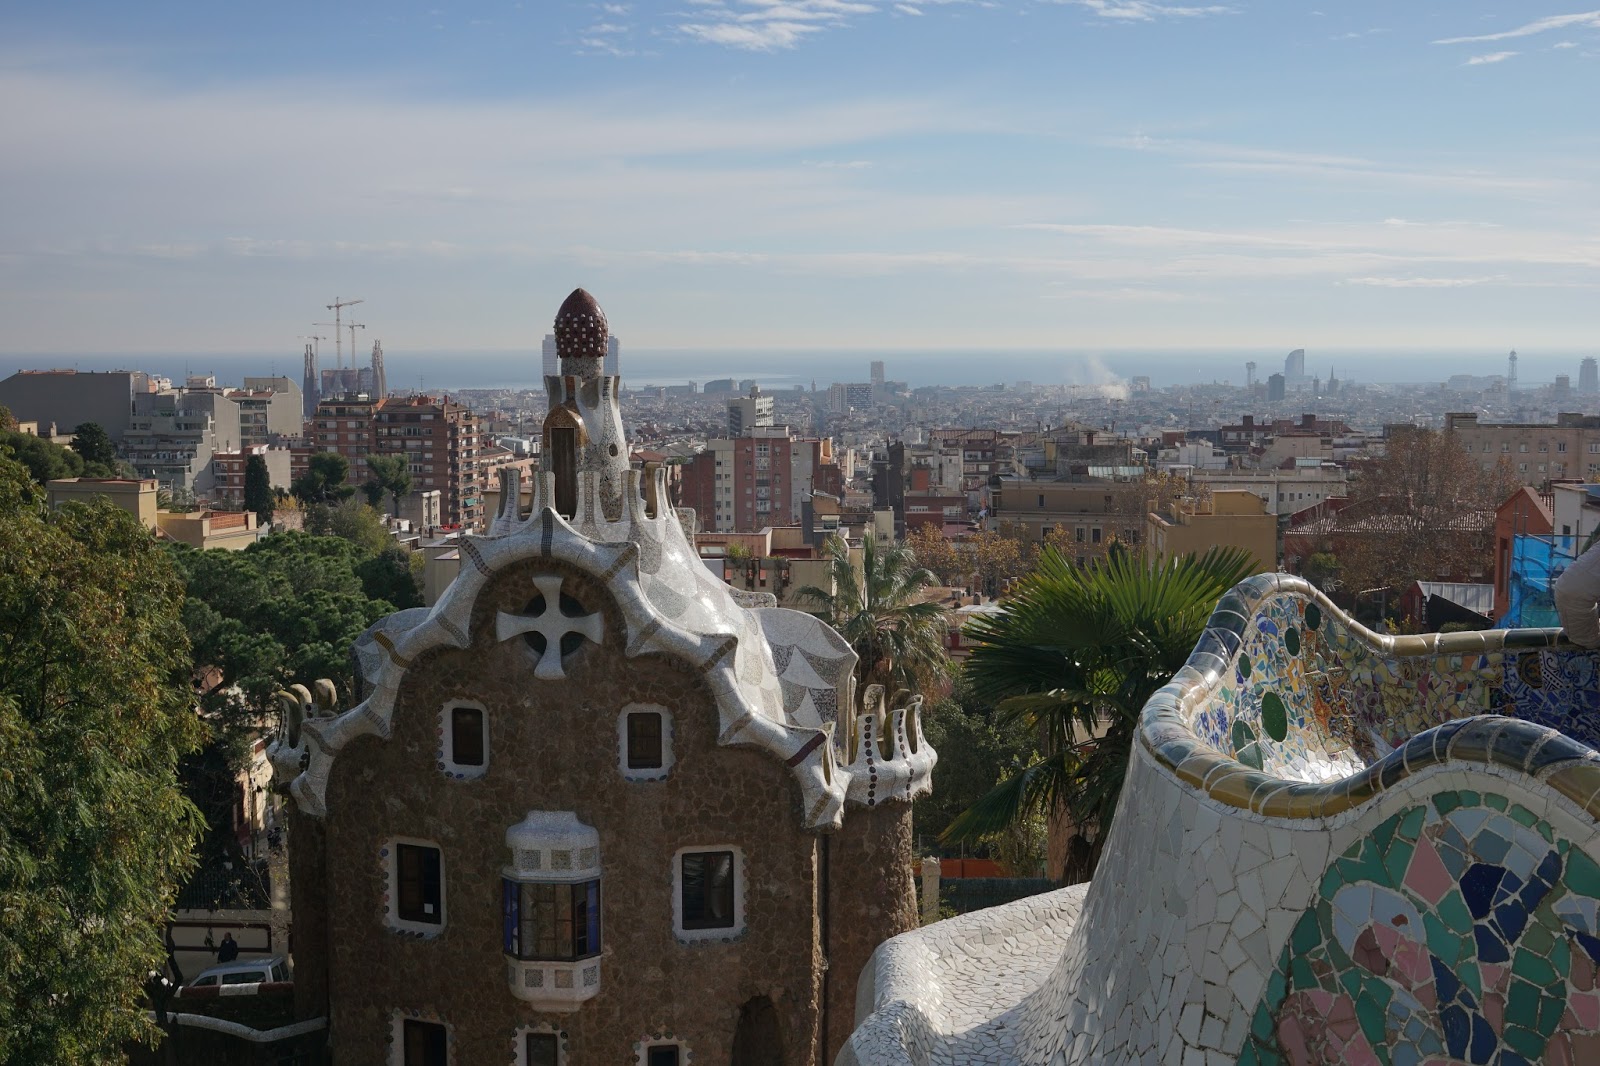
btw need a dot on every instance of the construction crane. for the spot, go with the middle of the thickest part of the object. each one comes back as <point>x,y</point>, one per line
<point>337,307</point>
<point>352,327</point>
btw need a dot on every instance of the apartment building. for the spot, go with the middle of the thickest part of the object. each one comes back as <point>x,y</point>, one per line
<point>285,464</point>
<point>1536,451</point>
<point>1225,518</point>
<point>439,438</point>
<point>1306,484</point>
<point>762,479</point>
<point>1094,509</point>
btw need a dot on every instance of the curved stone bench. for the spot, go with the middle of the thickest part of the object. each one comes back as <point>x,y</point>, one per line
<point>1333,846</point>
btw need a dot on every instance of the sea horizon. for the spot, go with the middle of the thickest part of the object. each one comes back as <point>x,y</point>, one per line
<point>776,369</point>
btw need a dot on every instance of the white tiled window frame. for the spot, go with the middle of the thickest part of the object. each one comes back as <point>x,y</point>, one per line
<point>740,881</point>
<point>391,889</point>
<point>659,773</point>
<point>397,1035</point>
<point>446,751</point>
<point>519,1045</point>
<point>642,1048</point>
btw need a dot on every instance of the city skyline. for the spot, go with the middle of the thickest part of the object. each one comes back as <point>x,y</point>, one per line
<point>816,173</point>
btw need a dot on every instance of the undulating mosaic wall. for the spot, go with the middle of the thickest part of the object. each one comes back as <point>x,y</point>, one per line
<point>1333,846</point>
<point>1461,930</point>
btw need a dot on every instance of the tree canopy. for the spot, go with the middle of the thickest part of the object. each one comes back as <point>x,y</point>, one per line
<point>387,474</point>
<point>46,461</point>
<point>95,712</point>
<point>325,479</point>
<point>91,441</point>
<point>284,610</point>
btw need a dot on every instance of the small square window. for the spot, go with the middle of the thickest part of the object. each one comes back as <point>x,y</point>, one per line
<point>426,1043</point>
<point>663,1055</point>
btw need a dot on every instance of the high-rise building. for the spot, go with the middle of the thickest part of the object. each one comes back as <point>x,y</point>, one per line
<point>1275,388</point>
<point>877,372</point>
<point>1294,367</point>
<point>760,479</point>
<point>1511,372</point>
<point>613,358</point>
<point>552,360</point>
<point>747,412</point>
<point>439,438</point>
<point>1589,377</point>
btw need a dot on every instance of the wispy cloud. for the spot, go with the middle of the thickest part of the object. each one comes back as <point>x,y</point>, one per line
<point>1565,44</point>
<point>1425,283</point>
<point>907,9</point>
<point>768,25</point>
<point>1146,10</point>
<point>1544,25</point>
<point>1492,57</point>
<point>839,164</point>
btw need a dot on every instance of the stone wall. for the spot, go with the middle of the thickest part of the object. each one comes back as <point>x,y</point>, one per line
<point>553,746</point>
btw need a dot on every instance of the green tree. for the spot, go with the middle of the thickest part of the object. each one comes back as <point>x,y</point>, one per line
<point>8,421</point>
<point>284,610</point>
<point>258,496</point>
<point>350,520</point>
<point>44,461</point>
<point>388,474</point>
<point>977,748</point>
<point>95,712</point>
<point>325,479</point>
<point>1076,655</point>
<point>897,636</point>
<point>91,441</point>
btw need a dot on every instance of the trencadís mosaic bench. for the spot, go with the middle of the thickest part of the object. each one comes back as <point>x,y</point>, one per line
<point>1334,846</point>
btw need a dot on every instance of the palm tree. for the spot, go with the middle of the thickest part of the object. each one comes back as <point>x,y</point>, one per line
<point>1076,654</point>
<point>898,638</point>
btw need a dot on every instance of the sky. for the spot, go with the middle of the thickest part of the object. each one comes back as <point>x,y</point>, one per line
<point>756,174</point>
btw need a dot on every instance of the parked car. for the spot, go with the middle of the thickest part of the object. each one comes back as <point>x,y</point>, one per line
<point>273,968</point>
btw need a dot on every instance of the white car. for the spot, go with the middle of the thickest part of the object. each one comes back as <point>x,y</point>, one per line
<point>269,968</point>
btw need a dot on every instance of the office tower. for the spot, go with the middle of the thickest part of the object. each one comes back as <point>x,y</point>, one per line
<point>1589,377</point>
<point>1275,388</point>
<point>552,363</point>
<point>877,372</point>
<point>1249,375</point>
<point>613,357</point>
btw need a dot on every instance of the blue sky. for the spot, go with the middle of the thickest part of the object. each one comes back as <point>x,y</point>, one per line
<point>802,173</point>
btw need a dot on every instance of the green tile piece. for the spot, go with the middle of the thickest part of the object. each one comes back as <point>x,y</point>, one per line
<point>1244,665</point>
<point>1469,798</point>
<point>1583,876</point>
<point>1535,968</point>
<point>1445,802</point>
<point>1277,987</point>
<point>1441,941</point>
<point>1521,814</point>
<point>1351,980</point>
<point>1561,956</point>
<point>1453,909</point>
<point>1261,1026</point>
<point>1522,1004</point>
<point>1303,977</point>
<point>1497,802</point>
<point>1248,1056</point>
<point>1551,1007</point>
<point>1313,616</point>
<point>1411,824</point>
<point>1274,716</point>
<point>1370,1013</point>
<point>1472,979</point>
<point>1397,860</point>
<point>1306,935</point>
<point>1524,1042</point>
<point>1291,640</point>
<point>1538,938</point>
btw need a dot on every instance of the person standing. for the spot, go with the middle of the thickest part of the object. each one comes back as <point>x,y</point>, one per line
<point>228,950</point>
